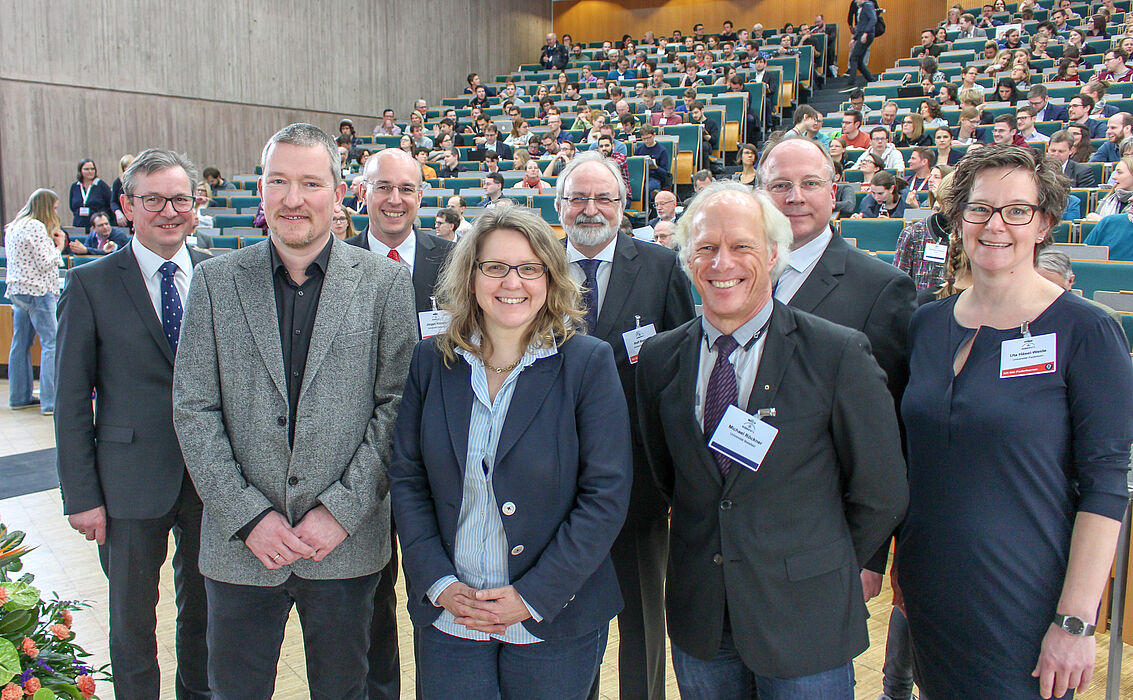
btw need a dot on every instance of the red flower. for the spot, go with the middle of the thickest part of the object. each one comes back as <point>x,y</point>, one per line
<point>28,647</point>
<point>3,595</point>
<point>31,686</point>
<point>61,632</point>
<point>12,692</point>
<point>66,617</point>
<point>85,684</point>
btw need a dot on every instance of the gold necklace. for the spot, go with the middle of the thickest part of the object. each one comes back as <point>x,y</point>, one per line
<point>501,370</point>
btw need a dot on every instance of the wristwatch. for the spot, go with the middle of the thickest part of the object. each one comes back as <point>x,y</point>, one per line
<point>1074,626</point>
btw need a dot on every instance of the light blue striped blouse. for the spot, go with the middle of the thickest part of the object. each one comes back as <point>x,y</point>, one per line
<point>481,550</point>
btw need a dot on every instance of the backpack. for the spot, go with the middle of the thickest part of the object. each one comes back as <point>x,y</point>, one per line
<point>879,28</point>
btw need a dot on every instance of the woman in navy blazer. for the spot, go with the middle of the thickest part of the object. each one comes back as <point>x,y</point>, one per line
<point>511,474</point>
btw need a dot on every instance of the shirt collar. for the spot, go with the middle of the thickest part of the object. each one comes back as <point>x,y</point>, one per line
<point>805,255</point>
<point>533,352</point>
<point>745,333</point>
<point>150,262</point>
<point>605,255</point>
<point>319,262</point>
<point>405,249</point>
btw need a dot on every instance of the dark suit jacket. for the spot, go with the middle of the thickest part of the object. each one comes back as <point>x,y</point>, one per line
<point>1080,174</point>
<point>866,23</point>
<point>124,454</point>
<point>781,546</point>
<point>562,462</point>
<point>427,259</point>
<point>120,236</point>
<point>502,150</point>
<point>646,280</point>
<point>1055,113</point>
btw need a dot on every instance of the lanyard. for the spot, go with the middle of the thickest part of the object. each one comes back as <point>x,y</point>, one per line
<point>86,192</point>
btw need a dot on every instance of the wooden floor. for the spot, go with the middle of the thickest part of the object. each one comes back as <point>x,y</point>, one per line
<point>68,565</point>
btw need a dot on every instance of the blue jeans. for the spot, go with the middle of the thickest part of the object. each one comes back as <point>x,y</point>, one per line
<point>898,669</point>
<point>453,667</point>
<point>32,316</point>
<point>725,677</point>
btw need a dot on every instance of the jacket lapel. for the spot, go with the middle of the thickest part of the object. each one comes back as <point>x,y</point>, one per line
<point>531,390</point>
<point>681,393</point>
<point>138,294</point>
<point>341,279</point>
<point>824,277</point>
<point>456,393</point>
<point>424,271</point>
<point>256,291</point>
<point>777,351</point>
<point>622,278</point>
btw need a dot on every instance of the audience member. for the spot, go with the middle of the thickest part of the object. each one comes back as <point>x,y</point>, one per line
<point>103,237</point>
<point>88,194</point>
<point>1118,128</point>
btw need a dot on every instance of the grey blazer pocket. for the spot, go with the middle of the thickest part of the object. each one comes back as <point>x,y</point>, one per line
<point>114,433</point>
<point>818,561</point>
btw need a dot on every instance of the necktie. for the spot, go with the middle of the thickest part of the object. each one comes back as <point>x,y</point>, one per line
<point>170,305</point>
<point>590,292</point>
<point>721,393</point>
<point>393,255</point>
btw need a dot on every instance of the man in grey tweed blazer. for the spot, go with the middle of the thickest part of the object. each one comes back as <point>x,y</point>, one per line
<point>288,378</point>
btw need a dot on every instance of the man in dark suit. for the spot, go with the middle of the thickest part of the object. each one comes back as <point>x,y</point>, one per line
<point>1045,110</point>
<point>629,284</point>
<point>393,195</point>
<point>121,471</point>
<point>864,24</point>
<point>491,141</point>
<point>103,237</point>
<point>762,591</point>
<point>832,280</point>
<point>554,55</point>
<point>1058,149</point>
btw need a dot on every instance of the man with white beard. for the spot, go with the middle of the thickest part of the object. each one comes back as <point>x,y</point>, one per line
<point>632,290</point>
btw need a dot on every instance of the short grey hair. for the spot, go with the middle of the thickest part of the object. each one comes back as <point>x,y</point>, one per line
<point>763,175</point>
<point>153,160</point>
<point>589,157</point>
<point>1055,261</point>
<point>302,134</point>
<point>776,227</point>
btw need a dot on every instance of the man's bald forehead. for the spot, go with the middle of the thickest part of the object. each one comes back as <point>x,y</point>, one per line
<point>392,155</point>
<point>795,149</point>
<point>665,196</point>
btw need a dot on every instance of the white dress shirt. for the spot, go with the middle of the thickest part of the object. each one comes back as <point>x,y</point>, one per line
<point>606,255</point>
<point>745,358</point>
<point>150,264</point>
<point>406,250</point>
<point>800,265</point>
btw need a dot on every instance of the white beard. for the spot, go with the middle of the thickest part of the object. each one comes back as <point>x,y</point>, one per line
<point>587,236</point>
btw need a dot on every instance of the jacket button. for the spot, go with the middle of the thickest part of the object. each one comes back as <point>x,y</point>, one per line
<point>717,559</point>
<point>282,420</point>
<point>725,504</point>
<point>508,508</point>
<point>293,480</point>
<point>517,550</point>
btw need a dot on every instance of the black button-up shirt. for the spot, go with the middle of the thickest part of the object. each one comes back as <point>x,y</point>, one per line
<point>296,306</point>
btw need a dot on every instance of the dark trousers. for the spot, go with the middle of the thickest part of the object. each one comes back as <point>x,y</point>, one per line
<point>858,62</point>
<point>383,682</point>
<point>132,559</point>
<point>640,554</point>
<point>246,632</point>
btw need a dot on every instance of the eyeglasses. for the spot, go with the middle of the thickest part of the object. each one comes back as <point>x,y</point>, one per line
<point>580,202</point>
<point>783,187</point>
<point>155,203</point>
<point>499,270</point>
<point>405,190</point>
<point>1012,214</point>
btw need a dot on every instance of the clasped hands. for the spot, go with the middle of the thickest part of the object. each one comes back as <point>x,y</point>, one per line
<point>491,610</point>
<point>276,544</point>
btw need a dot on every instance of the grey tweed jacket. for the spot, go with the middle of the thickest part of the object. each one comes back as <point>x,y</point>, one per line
<point>230,408</point>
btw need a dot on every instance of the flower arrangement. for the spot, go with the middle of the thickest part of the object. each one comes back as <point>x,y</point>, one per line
<point>39,659</point>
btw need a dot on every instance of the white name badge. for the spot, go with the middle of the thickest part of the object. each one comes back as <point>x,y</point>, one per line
<point>743,438</point>
<point>432,323</point>
<point>1023,357</point>
<point>635,339</point>
<point>84,211</point>
<point>935,252</point>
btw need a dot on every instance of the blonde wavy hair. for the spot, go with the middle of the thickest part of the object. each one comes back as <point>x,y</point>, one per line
<point>561,315</point>
<point>41,207</point>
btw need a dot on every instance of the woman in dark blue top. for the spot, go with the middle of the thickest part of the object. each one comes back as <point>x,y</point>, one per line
<point>1019,412</point>
<point>88,193</point>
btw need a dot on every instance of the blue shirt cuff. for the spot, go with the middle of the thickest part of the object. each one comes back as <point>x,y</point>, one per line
<point>439,587</point>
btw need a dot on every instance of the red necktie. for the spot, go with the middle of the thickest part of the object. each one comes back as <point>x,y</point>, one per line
<point>393,255</point>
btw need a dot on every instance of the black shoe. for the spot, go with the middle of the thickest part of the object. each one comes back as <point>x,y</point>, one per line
<point>19,407</point>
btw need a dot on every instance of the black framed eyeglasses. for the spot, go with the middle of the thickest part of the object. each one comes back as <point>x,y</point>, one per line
<point>155,203</point>
<point>1013,214</point>
<point>499,270</point>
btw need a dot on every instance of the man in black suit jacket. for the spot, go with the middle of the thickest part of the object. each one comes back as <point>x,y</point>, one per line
<point>832,280</point>
<point>393,195</point>
<point>491,141</point>
<point>1058,149</point>
<point>634,283</point>
<point>1045,110</point>
<point>765,547</point>
<point>121,471</point>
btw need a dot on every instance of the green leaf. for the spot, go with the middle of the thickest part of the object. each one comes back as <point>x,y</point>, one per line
<point>21,596</point>
<point>43,694</point>
<point>9,661</point>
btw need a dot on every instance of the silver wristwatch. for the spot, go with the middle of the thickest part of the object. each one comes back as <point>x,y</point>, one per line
<point>1074,626</point>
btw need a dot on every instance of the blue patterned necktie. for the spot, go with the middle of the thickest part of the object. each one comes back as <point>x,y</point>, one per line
<point>590,292</point>
<point>170,305</point>
<point>720,394</point>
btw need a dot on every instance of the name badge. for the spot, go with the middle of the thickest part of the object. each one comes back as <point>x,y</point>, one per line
<point>432,323</point>
<point>744,438</point>
<point>935,252</point>
<point>84,211</point>
<point>1023,357</point>
<point>635,339</point>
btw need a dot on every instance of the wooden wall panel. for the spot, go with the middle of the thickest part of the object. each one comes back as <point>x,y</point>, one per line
<point>217,77</point>
<point>598,20</point>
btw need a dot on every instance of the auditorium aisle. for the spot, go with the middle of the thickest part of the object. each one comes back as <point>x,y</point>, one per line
<point>68,565</point>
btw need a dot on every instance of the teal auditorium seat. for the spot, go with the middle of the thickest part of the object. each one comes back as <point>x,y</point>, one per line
<point>873,234</point>
<point>231,221</point>
<point>360,222</point>
<point>1092,275</point>
<point>545,203</point>
<point>232,242</point>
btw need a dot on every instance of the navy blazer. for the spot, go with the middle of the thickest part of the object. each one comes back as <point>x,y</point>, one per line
<point>563,461</point>
<point>1055,113</point>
